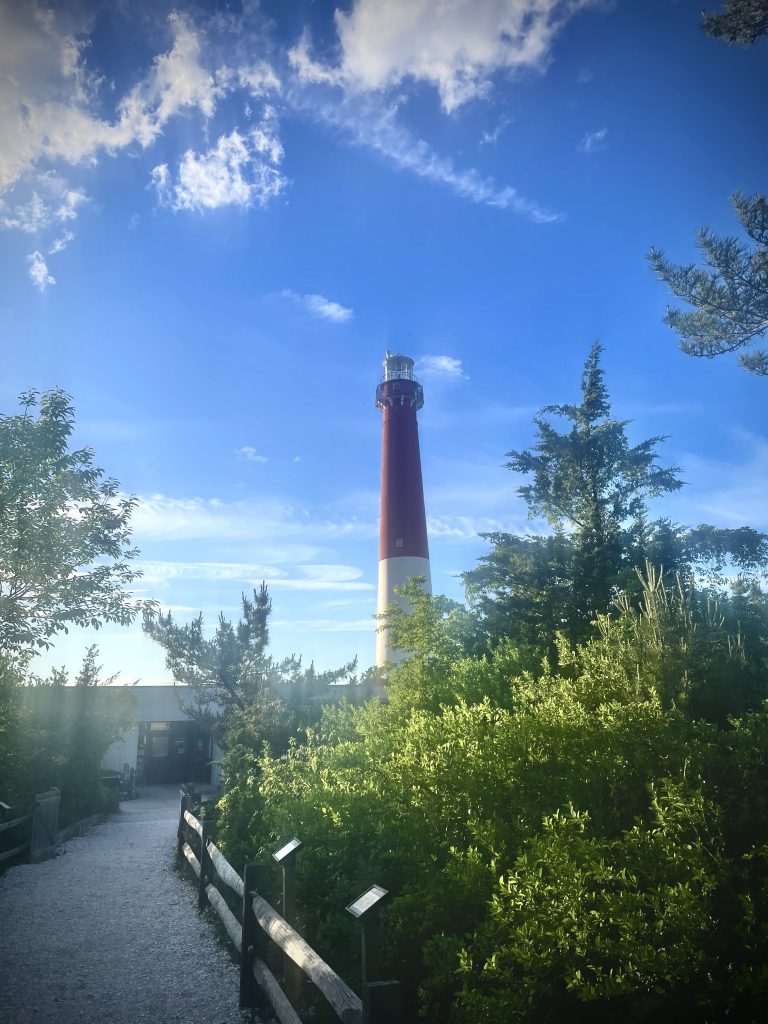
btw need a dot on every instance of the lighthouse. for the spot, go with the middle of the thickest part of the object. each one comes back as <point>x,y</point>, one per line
<point>403,549</point>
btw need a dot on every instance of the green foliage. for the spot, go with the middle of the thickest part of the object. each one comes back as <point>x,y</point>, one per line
<point>65,548</point>
<point>741,21</point>
<point>675,643</point>
<point>729,293</point>
<point>584,917</point>
<point>553,840</point>
<point>57,735</point>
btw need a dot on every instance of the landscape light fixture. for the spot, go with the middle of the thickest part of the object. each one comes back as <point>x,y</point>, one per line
<point>289,850</point>
<point>286,858</point>
<point>370,900</point>
<point>366,909</point>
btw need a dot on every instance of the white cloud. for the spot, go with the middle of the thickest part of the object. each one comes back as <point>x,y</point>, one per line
<point>48,96</point>
<point>57,204</point>
<point>301,577</point>
<point>468,527</point>
<point>215,178</point>
<point>250,454</point>
<point>320,307</point>
<point>258,79</point>
<point>38,271</point>
<point>30,217</point>
<point>177,80</point>
<point>593,142</point>
<point>52,112</point>
<point>491,138</point>
<point>71,200</point>
<point>231,173</point>
<point>456,47</point>
<point>162,573</point>
<point>61,243</point>
<point>447,367</point>
<point>284,526</point>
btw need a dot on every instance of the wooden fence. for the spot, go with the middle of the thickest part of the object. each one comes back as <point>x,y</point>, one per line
<point>259,924</point>
<point>34,831</point>
<point>30,831</point>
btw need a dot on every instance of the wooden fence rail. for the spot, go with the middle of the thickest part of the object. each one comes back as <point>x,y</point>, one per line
<point>260,923</point>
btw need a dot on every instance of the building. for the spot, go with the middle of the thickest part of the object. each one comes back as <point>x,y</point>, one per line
<point>165,745</point>
<point>403,546</point>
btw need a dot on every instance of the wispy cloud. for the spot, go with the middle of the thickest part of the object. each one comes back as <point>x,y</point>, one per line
<point>447,367</point>
<point>289,529</point>
<point>52,202</point>
<point>328,625</point>
<point>369,121</point>
<point>593,142</point>
<point>162,573</point>
<point>249,454</point>
<point>726,493</point>
<point>320,307</point>
<point>311,576</point>
<point>38,271</point>
<point>61,243</point>
<point>491,138</point>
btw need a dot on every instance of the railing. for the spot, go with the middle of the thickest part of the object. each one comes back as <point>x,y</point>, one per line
<point>259,923</point>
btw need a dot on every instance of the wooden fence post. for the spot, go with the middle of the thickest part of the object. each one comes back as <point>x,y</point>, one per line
<point>382,1002</point>
<point>45,825</point>
<point>185,805</point>
<point>206,864</point>
<point>253,938</point>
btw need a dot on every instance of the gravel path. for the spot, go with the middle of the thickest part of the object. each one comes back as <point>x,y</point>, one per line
<point>108,931</point>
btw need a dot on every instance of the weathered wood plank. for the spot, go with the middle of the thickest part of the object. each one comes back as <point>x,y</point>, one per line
<point>347,1005</point>
<point>192,821</point>
<point>226,916</point>
<point>16,821</point>
<point>12,853</point>
<point>45,824</point>
<point>225,870</point>
<point>269,985</point>
<point>189,853</point>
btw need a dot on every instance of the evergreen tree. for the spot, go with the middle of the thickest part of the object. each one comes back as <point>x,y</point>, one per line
<point>591,485</point>
<point>741,21</point>
<point>729,293</point>
<point>238,689</point>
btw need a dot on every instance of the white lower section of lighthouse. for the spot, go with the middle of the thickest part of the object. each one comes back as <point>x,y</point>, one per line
<point>395,572</point>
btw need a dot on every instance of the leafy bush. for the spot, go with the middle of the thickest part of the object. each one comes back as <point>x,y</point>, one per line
<point>59,736</point>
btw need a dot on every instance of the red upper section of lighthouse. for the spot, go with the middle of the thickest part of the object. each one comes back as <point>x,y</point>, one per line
<point>403,518</point>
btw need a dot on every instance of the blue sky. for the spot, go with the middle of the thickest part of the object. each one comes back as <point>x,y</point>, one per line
<point>215,219</point>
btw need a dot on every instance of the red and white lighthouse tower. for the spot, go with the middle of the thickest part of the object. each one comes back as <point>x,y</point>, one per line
<point>403,549</point>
